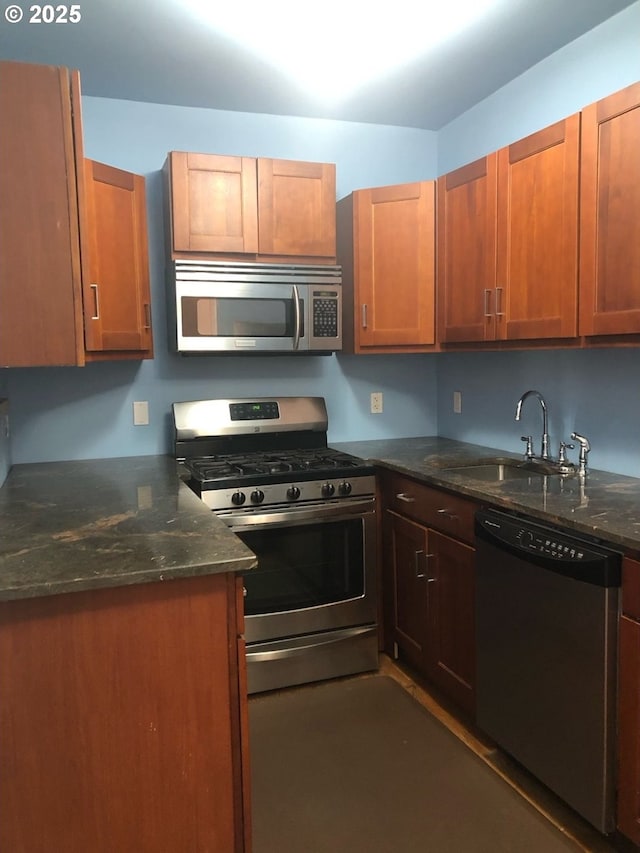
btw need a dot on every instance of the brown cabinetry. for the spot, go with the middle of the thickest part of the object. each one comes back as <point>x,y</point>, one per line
<point>428,584</point>
<point>386,245</point>
<point>508,241</point>
<point>44,226</point>
<point>115,261</point>
<point>610,215</point>
<point>629,704</point>
<point>226,205</point>
<point>123,720</point>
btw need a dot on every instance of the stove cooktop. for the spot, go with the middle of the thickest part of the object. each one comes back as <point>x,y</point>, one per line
<point>225,470</point>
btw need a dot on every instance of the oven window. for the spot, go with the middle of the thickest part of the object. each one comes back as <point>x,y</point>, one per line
<point>304,566</point>
<point>223,317</point>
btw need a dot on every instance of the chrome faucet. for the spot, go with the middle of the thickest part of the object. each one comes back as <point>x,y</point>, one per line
<point>545,424</point>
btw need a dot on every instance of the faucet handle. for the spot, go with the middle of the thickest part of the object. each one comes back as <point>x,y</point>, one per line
<point>562,452</point>
<point>528,454</point>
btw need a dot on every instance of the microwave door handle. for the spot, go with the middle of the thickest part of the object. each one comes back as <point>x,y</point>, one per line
<point>296,302</point>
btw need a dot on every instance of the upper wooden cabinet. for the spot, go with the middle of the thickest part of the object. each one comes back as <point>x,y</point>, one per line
<point>40,296</point>
<point>44,226</point>
<point>386,245</point>
<point>115,260</point>
<point>508,241</point>
<point>610,215</point>
<point>225,205</point>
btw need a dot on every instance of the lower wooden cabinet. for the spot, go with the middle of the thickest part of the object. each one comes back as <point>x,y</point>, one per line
<point>629,705</point>
<point>123,720</point>
<point>429,586</point>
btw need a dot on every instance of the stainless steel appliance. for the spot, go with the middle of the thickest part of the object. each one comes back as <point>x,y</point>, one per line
<point>225,307</point>
<point>546,622</point>
<point>309,514</point>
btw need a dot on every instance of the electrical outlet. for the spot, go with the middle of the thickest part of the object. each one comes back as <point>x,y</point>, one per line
<point>457,402</point>
<point>141,413</point>
<point>376,403</point>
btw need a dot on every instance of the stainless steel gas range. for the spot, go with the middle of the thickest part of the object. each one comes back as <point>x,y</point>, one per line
<point>308,512</point>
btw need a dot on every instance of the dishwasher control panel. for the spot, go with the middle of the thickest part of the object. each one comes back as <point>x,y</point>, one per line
<point>549,546</point>
<point>553,546</point>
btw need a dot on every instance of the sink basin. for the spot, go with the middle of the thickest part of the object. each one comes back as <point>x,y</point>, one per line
<point>498,469</point>
<point>496,472</point>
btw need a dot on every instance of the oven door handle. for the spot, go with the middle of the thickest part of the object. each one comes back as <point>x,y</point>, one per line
<point>303,644</point>
<point>288,516</point>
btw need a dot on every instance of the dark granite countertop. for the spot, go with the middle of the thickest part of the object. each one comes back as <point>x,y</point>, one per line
<point>603,505</point>
<point>68,526</point>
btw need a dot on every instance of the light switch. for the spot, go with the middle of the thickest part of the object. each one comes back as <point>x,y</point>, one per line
<point>141,413</point>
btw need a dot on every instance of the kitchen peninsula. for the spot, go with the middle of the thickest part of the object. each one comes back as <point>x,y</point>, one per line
<point>122,672</point>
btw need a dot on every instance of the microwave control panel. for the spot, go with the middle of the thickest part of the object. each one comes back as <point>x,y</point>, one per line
<point>325,314</point>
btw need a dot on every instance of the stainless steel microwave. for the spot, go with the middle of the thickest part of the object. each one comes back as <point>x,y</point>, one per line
<point>224,307</point>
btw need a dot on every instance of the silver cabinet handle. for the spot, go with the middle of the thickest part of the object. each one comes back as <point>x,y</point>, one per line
<point>499,311</point>
<point>425,559</point>
<point>96,302</point>
<point>406,498</point>
<point>364,316</point>
<point>448,514</point>
<point>147,315</point>
<point>487,303</point>
<point>296,303</point>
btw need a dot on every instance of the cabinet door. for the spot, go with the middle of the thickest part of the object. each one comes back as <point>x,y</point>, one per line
<point>122,720</point>
<point>610,215</point>
<point>450,652</point>
<point>117,312</point>
<point>629,730</point>
<point>394,265</point>
<point>467,234</point>
<point>297,208</point>
<point>213,203</point>
<point>40,277</point>
<point>406,546</point>
<point>537,270</point>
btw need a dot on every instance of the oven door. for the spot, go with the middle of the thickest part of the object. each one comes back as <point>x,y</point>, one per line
<point>241,317</point>
<point>316,568</point>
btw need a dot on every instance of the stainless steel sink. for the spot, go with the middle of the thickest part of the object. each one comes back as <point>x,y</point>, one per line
<point>495,472</point>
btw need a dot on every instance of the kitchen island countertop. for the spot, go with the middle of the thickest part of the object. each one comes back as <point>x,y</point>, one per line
<point>603,505</point>
<point>70,526</point>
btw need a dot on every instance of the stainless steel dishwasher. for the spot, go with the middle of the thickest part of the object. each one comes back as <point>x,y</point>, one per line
<point>546,629</point>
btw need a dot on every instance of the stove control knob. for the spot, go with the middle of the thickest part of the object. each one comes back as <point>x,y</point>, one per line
<point>257,496</point>
<point>238,498</point>
<point>327,489</point>
<point>344,488</point>
<point>293,493</point>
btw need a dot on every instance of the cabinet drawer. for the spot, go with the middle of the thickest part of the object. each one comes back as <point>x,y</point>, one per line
<point>432,507</point>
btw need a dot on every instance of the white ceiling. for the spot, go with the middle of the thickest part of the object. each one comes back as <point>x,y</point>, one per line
<point>151,50</point>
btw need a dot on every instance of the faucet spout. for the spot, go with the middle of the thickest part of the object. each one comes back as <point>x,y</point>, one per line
<point>545,422</point>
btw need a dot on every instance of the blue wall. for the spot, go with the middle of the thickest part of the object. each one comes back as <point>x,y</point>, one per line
<point>69,413</point>
<point>596,392</point>
<point>75,413</point>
